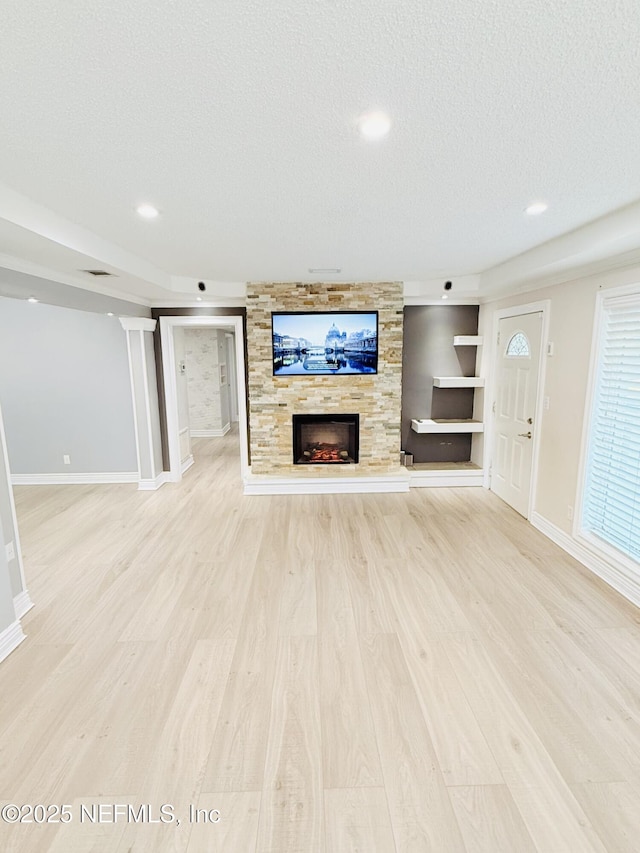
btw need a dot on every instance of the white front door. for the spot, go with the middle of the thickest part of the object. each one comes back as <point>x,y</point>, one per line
<point>518,367</point>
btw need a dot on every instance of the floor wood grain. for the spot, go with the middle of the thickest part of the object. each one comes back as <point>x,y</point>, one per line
<point>314,674</point>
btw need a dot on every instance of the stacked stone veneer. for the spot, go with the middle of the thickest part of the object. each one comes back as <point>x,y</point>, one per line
<point>375,397</point>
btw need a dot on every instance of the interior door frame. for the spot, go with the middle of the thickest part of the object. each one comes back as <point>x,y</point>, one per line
<point>543,306</point>
<point>167,325</point>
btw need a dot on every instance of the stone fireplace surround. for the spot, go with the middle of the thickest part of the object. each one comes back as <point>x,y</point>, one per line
<point>273,400</point>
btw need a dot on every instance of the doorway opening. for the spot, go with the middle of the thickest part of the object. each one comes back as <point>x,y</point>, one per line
<point>217,364</point>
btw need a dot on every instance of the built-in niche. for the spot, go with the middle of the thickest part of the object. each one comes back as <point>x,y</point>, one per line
<point>429,351</point>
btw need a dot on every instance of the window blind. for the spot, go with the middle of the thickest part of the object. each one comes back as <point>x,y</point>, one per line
<point>611,503</point>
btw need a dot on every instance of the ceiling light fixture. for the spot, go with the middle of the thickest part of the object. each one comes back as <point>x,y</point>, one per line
<point>109,313</point>
<point>148,211</point>
<point>198,298</point>
<point>33,300</point>
<point>374,125</point>
<point>536,208</point>
<point>324,270</point>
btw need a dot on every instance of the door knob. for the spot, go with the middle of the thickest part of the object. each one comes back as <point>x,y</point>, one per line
<point>525,434</point>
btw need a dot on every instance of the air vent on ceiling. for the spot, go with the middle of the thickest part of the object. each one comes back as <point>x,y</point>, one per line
<point>98,272</point>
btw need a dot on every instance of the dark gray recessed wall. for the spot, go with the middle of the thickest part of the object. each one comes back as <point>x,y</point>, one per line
<point>428,351</point>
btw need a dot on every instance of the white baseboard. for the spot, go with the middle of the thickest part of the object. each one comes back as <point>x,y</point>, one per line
<point>22,603</point>
<point>259,484</point>
<point>151,485</point>
<point>188,462</point>
<point>10,639</point>
<point>210,433</point>
<point>77,479</point>
<point>448,479</point>
<point>612,574</point>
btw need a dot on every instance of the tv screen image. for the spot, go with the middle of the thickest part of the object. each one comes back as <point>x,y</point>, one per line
<point>324,342</point>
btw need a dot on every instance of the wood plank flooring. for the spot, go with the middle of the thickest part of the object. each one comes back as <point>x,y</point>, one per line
<point>316,674</point>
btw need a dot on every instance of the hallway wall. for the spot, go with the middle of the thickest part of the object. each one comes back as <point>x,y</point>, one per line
<point>65,390</point>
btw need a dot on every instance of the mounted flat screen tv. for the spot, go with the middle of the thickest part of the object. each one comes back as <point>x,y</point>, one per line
<point>330,342</point>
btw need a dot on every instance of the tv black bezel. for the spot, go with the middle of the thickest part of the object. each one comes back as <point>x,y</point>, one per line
<point>363,311</point>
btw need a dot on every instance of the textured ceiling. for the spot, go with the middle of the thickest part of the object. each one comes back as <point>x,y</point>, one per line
<point>238,121</point>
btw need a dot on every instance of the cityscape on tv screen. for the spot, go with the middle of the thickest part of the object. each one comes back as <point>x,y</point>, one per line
<point>325,343</point>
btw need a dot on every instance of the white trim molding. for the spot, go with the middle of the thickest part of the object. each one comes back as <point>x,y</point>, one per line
<point>138,324</point>
<point>22,603</point>
<point>258,484</point>
<point>188,462</point>
<point>77,479</point>
<point>210,433</point>
<point>150,485</point>
<point>615,573</point>
<point>10,639</point>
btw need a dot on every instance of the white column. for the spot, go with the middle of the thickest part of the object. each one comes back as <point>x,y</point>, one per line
<point>12,586</point>
<point>9,522</point>
<point>144,390</point>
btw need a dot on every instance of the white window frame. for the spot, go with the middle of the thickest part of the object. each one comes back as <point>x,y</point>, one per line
<point>614,566</point>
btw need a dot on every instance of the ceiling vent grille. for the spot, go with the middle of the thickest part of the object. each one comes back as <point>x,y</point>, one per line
<point>98,272</point>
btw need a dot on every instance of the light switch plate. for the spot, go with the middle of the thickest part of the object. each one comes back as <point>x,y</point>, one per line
<point>11,551</point>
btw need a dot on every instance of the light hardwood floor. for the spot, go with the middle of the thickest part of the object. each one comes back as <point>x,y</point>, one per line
<point>419,672</point>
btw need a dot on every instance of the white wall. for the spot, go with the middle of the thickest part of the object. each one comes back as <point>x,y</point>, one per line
<point>225,402</point>
<point>182,392</point>
<point>567,371</point>
<point>232,375</point>
<point>65,389</point>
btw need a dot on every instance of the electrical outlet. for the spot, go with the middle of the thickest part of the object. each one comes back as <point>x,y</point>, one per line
<point>66,459</point>
<point>545,404</point>
<point>570,513</point>
<point>11,551</point>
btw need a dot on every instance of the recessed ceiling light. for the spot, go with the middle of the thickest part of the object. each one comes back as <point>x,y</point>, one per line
<point>374,125</point>
<point>109,313</point>
<point>536,208</point>
<point>32,299</point>
<point>445,295</point>
<point>198,298</point>
<point>148,211</point>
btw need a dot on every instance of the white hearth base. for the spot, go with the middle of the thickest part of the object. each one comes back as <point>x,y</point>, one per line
<point>263,484</point>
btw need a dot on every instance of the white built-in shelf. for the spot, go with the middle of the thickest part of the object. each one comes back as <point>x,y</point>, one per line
<point>427,474</point>
<point>458,381</point>
<point>441,425</point>
<point>467,340</point>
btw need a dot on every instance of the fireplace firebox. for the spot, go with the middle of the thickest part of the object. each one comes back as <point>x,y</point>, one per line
<point>325,439</point>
